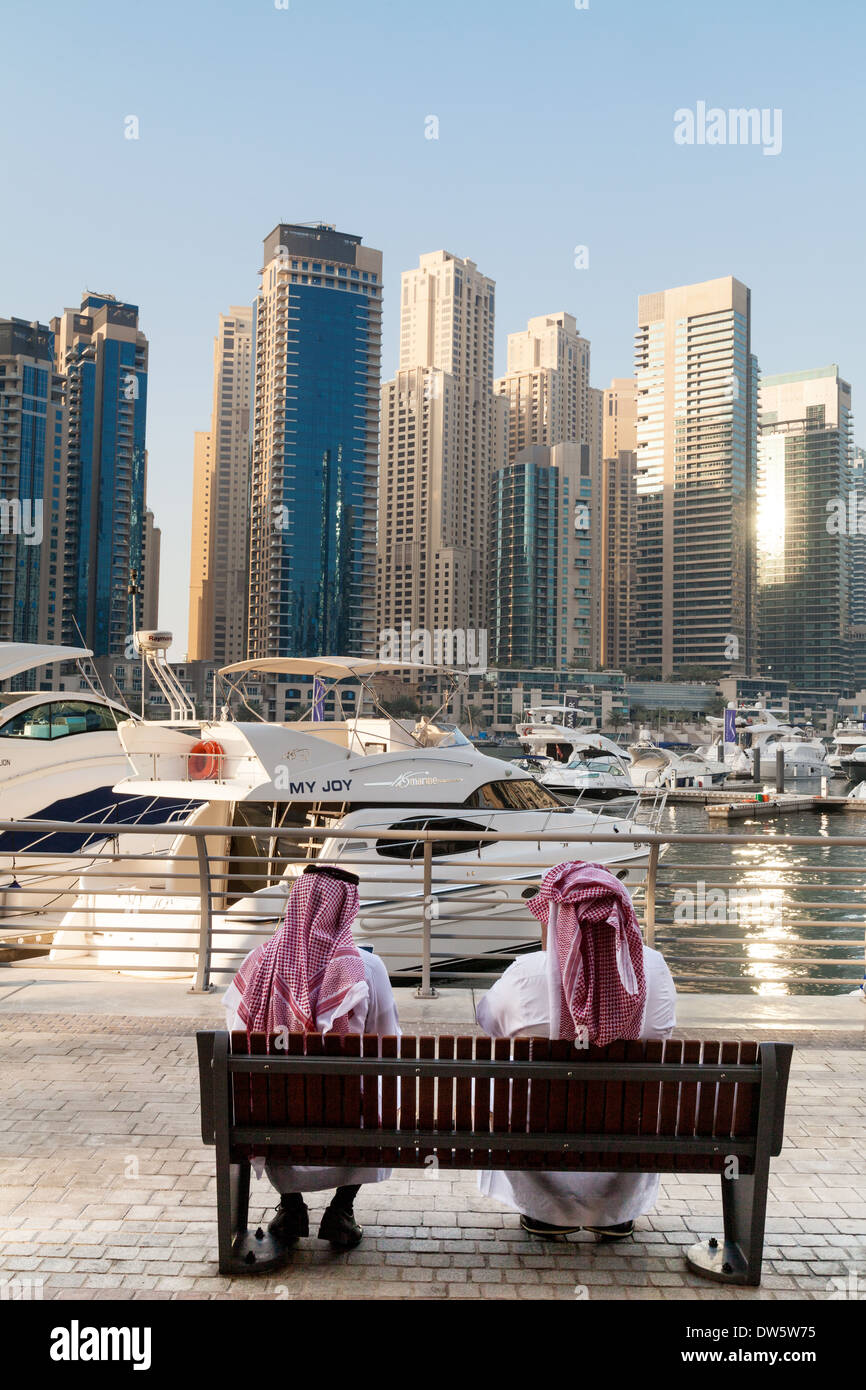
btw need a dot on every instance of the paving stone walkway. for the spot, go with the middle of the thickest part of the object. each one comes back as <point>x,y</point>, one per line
<point>106,1191</point>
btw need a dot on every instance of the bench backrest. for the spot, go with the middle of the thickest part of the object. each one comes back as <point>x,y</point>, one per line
<point>494,1103</point>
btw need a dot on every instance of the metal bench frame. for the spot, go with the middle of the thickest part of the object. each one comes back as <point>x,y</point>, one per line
<point>735,1259</point>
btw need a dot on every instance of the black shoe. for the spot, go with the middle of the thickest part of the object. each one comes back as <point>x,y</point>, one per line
<point>606,1234</point>
<point>544,1229</point>
<point>340,1228</point>
<point>291,1221</point>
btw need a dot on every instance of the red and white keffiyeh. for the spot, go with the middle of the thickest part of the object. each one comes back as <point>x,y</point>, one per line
<point>309,978</point>
<point>595,969</point>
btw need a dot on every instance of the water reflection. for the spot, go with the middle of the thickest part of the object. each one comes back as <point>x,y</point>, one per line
<point>791,917</point>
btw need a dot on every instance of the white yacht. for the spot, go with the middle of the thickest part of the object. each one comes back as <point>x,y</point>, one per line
<point>654,766</point>
<point>369,775</point>
<point>598,770</point>
<point>847,736</point>
<point>551,731</point>
<point>853,764</point>
<point>60,758</point>
<point>762,728</point>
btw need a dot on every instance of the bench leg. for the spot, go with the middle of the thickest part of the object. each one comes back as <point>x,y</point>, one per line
<point>737,1259</point>
<point>242,1251</point>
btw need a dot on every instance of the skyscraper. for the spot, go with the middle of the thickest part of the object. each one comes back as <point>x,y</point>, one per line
<point>442,430</point>
<point>103,355</point>
<point>616,521</point>
<point>219,556</point>
<point>804,546</point>
<point>695,582</point>
<point>31,422</point>
<point>541,558</point>
<point>314,444</point>
<point>546,384</point>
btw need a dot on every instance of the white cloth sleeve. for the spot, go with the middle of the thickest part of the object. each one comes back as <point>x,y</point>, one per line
<point>382,1015</point>
<point>661,1004</point>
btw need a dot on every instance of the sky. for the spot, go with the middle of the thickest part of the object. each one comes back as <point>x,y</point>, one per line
<point>556,131</point>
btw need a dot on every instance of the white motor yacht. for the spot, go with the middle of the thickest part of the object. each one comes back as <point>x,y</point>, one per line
<point>846,737</point>
<point>60,758</point>
<point>598,770</point>
<point>853,764</point>
<point>368,775</point>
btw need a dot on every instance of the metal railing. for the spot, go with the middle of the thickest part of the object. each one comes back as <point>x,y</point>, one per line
<point>180,904</point>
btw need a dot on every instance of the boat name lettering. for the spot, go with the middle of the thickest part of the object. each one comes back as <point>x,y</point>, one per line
<point>336,784</point>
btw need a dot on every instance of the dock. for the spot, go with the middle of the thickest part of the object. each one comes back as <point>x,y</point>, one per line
<point>783,803</point>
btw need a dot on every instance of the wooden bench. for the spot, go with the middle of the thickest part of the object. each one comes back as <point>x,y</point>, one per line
<point>474,1103</point>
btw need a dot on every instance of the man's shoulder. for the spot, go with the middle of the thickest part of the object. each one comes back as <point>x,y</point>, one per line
<point>526,967</point>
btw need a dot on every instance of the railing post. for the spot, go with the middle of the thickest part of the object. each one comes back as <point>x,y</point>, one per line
<point>202,984</point>
<point>650,896</point>
<point>425,990</point>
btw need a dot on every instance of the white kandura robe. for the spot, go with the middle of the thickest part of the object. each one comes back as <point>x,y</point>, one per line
<point>517,1006</point>
<point>380,1017</point>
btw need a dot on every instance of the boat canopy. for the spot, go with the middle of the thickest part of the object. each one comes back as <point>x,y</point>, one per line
<point>329,667</point>
<point>16,657</point>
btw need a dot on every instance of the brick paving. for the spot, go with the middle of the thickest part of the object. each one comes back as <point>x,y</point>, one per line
<point>106,1191</point>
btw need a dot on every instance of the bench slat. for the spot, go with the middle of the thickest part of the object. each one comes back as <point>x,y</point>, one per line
<point>426,1095</point>
<point>408,1089</point>
<point>390,1048</point>
<point>332,1094</point>
<point>519,1090</point>
<point>352,1094</point>
<point>501,1097</point>
<point>481,1117</point>
<point>314,1104</point>
<point>463,1104</point>
<point>725,1100</point>
<point>445,1097</point>
<point>651,1106</point>
<point>539,1094</point>
<point>747,1097</point>
<point>632,1094</point>
<point>687,1118</point>
<point>575,1107</point>
<point>370,1095</point>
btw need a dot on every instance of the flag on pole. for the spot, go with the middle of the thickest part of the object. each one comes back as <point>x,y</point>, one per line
<point>730,726</point>
<point>318,700</point>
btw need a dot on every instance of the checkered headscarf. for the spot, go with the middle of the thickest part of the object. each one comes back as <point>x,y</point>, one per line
<point>309,978</point>
<point>595,969</point>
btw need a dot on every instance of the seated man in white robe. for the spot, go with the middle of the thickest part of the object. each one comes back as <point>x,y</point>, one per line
<point>595,982</point>
<point>311,978</point>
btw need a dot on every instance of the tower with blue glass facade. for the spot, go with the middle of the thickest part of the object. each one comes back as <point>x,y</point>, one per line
<point>104,357</point>
<point>314,447</point>
<point>31,423</point>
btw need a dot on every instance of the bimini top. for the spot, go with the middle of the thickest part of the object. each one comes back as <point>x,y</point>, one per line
<point>331,667</point>
<point>16,657</point>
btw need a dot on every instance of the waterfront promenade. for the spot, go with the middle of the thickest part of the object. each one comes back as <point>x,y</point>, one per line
<point>106,1190</point>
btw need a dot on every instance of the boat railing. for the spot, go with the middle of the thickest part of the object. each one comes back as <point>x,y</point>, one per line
<point>765,921</point>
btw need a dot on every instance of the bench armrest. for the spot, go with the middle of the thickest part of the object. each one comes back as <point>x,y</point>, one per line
<point>205,1045</point>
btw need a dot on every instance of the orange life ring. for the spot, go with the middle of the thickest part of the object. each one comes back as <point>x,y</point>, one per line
<point>204,760</point>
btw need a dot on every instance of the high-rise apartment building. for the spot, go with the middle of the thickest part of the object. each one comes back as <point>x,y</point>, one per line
<point>804,540</point>
<point>695,580</point>
<point>443,431</point>
<point>546,384</point>
<point>31,467</point>
<point>219,556</point>
<point>315,424</point>
<point>541,587</point>
<point>616,520</point>
<point>150,577</point>
<point>103,355</point>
